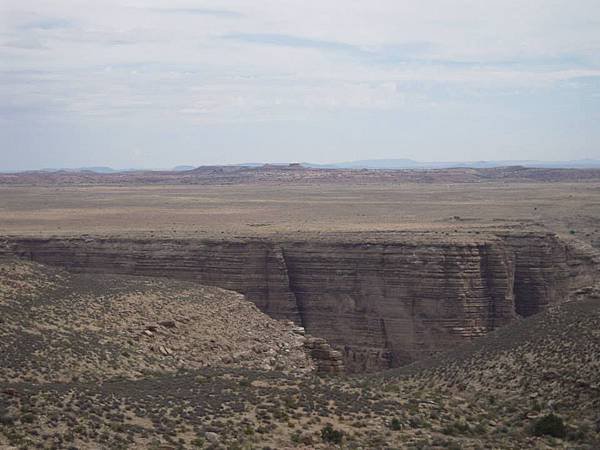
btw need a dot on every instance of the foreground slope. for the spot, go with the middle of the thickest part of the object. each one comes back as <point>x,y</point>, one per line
<point>78,372</point>
<point>59,327</point>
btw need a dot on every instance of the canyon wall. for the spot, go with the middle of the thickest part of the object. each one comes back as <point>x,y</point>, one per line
<point>382,304</point>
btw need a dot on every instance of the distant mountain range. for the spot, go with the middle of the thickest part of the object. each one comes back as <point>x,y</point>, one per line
<point>411,164</point>
<point>375,164</point>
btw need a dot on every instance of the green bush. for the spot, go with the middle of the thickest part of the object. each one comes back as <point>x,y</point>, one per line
<point>395,424</point>
<point>329,434</point>
<point>550,425</point>
<point>27,418</point>
<point>198,442</point>
<point>456,427</point>
<point>6,418</point>
<point>296,437</point>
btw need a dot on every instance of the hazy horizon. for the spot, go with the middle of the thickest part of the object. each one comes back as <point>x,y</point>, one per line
<point>156,84</point>
<point>578,163</point>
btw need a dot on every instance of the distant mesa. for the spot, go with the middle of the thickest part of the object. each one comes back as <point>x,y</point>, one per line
<point>303,173</point>
<point>402,163</point>
<point>282,166</point>
<point>102,169</point>
<point>366,164</point>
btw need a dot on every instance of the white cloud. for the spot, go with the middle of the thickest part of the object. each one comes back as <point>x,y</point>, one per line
<point>247,61</point>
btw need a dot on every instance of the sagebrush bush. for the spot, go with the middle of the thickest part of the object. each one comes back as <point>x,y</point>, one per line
<point>550,425</point>
<point>329,434</point>
<point>395,424</point>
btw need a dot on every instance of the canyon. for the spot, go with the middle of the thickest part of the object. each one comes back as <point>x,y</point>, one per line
<point>382,299</point>
<point>460,310</point>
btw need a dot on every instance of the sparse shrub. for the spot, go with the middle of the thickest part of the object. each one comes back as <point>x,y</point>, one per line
<point>550,425</point>
<point>576,435</point>
<point>453,445</point>
<point>391,388</point>
<point>456,427</point>
<point>329,434</point>
<point>480,428</point>
<point>296,437</point>
<point>395,424</point>
<point>154,444</point>
<point>290,403</point>
<point>27,418</point>
<point>448,430</point>
<point>415,422</point>
<point>6,418</point>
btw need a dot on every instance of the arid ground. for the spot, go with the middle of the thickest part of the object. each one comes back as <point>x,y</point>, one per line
<point>99,360</point>
<point>261,210</point>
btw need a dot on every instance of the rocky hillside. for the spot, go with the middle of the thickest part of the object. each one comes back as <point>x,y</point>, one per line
<point>57,327</point>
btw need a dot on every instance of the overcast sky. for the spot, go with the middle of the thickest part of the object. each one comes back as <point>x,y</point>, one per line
<point>161,83</point>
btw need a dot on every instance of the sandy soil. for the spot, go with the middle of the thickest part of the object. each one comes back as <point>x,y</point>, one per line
<point>571,209</point>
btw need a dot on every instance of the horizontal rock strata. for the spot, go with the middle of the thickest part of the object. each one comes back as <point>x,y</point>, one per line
<point>382,304</point>
<point>327,359</point>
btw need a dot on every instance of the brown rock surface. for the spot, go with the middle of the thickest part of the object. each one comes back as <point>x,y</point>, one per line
<point>327,359</point>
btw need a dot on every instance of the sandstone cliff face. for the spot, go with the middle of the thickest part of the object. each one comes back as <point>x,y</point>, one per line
<point>382,304</point>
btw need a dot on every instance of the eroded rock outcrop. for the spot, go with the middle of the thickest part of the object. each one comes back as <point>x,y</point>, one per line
<point>381,301</point>
<point>327,360</point>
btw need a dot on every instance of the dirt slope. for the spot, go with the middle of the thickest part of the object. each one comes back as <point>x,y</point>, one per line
<point>57,327</point>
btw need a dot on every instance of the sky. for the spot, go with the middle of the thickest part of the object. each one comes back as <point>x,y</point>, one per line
<point>154,84</point>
